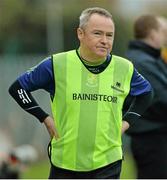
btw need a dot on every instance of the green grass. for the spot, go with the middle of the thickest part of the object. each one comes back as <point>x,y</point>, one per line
<point>128,168</point>
<point>40,170</point>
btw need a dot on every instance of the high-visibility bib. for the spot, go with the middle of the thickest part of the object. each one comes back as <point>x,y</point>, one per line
<point>87,110</point>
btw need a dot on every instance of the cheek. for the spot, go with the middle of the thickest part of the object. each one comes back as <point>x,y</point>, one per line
<point>91,43</point>
<point>110,44</point>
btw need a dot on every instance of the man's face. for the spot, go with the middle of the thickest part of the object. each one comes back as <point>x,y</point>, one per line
<point>161,37</point>
<point>163,31</point>
<point>96,38</point>
<point>157,37</point>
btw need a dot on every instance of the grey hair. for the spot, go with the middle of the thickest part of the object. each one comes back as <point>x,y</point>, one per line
<point>86,14</point>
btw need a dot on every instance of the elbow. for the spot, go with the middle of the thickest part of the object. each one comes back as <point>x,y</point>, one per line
<point>10,89</point>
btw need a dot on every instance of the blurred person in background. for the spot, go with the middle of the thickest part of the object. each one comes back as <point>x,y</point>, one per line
<point>149,133</point>
<point>164,48</point>
<point>88,87</point>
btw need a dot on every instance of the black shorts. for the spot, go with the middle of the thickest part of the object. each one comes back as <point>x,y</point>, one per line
<point>111,171</point>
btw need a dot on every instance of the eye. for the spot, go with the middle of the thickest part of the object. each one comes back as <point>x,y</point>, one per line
<point>97,33</point>
<point>110,35</point>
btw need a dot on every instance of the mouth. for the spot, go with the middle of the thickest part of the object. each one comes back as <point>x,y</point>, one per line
<point>103,49</point>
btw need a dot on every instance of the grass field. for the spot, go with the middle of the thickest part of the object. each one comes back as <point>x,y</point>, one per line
<point>128,168</point>
<point>40,170</point>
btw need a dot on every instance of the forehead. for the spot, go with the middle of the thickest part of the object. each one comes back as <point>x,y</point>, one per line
<point>162,23</point>
<point>100,22</point>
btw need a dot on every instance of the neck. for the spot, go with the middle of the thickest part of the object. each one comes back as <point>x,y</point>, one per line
<point>151,43</point>
<point>93,63</point>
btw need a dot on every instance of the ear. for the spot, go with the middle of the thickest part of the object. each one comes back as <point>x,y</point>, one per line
<point>80,33</point>
<point>152,34</point>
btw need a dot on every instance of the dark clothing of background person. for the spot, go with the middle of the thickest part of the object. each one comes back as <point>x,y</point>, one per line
<point>149,133</point>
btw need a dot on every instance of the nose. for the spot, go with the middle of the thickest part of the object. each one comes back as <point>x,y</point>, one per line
<point>104,39</point>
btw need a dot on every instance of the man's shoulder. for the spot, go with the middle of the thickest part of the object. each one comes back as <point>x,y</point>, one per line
<point>64,52</point>
<point>60,58</point>
<point>63,55</point>
<point>121,59</point>
<point>140,58</point>
<point>138,55</point>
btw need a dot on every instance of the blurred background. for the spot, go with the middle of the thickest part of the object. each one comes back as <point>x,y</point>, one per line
<point>31,30</point>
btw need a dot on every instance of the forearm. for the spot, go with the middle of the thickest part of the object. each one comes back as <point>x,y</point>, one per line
<point>26,101</point>
<point>138,106</point>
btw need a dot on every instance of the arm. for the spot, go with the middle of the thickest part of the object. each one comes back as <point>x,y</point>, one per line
<point>38,78</point>
<point>26,101</point>
<point>138,100</point>
<point>137,105</point>
<point>50,126</point>
<point>125,126</point>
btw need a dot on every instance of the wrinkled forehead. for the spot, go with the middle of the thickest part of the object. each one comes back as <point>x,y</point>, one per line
<point>100,16</point>
<point>100,20</point>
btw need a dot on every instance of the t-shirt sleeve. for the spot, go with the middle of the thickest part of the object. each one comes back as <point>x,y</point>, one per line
<point>139,85</point>
<point>39,77</point>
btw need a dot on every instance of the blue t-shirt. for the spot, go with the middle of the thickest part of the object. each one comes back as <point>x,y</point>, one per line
<point>41,77</point>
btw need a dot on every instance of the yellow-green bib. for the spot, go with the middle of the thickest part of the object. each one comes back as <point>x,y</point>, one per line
<point>87,110</point>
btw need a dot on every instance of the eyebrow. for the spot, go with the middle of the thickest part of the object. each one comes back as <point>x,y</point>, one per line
<point>100,30</point>
<point>95,30</point>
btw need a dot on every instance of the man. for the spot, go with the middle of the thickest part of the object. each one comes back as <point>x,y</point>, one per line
<point>149,133</point>
<point>163,20</point>
<point>88,87</point>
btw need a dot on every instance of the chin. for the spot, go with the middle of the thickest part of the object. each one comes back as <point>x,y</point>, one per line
<point>102,55</point>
